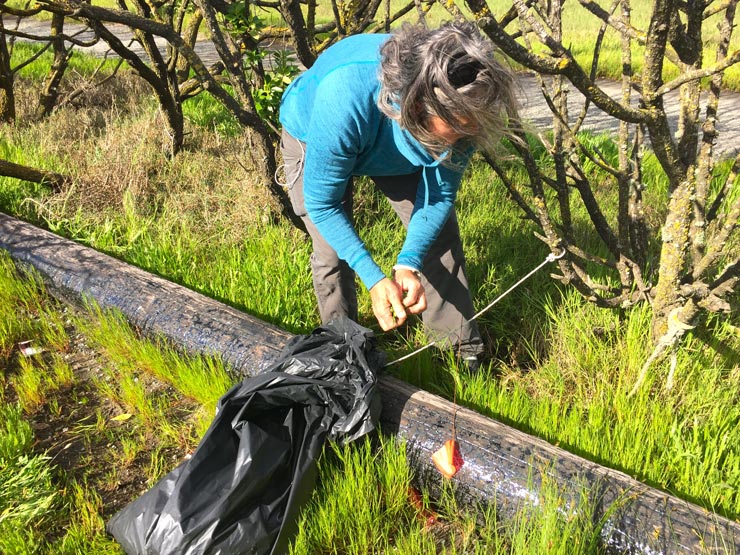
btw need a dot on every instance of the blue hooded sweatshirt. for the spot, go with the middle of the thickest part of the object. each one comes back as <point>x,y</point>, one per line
<point>332,107</point>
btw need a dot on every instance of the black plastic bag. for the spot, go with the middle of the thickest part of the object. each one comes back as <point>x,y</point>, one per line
<point>242,490</point>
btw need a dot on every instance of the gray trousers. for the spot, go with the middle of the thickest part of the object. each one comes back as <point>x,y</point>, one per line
<point>449,305</point>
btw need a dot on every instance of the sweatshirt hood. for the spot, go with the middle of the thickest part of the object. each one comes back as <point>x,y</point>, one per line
<point>418,155</point>
<point>412,149</point>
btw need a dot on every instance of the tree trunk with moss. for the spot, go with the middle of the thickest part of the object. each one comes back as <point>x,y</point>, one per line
<point>50,91</point>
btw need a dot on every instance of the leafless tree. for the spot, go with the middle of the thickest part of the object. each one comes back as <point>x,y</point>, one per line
<point>158,42</point>
<point>697,248</point>
<point>60,44</point>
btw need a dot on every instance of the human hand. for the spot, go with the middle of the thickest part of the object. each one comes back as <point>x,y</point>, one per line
<point>414,298</point>
<point>388,306</point>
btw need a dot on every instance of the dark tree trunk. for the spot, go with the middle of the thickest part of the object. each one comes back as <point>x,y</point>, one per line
<point>7,97</point>
<point>17,171</point>
<point>291,10</point>
<point>50,91</point>
<point>170,104</point>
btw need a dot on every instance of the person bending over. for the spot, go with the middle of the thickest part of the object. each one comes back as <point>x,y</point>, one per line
<point>407,110</point>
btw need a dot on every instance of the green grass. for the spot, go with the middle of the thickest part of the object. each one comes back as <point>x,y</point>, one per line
<point>37,496</point>
<point>48,509</point>
<point>564,367</point>
<point>33,501</point>
<point>582,360</point>
<point>394,519</point>
<point>679,439</point>
<point>28,498</point>
<point>264,273</point>
<point>42,327</point>
<point>79,63</point>
<point>202,379</point>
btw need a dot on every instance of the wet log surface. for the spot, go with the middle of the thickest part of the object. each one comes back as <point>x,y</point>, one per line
<point>502,465</point>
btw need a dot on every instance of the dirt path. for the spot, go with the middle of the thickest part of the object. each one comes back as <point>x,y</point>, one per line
<point>539,115</point>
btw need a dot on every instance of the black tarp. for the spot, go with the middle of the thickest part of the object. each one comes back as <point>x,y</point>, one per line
<point>242,490</point>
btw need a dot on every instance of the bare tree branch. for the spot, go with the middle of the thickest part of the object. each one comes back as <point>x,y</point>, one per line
<point>698,74</point>
<point>18,171</point>
<point>10,10</point>
<point>48,38</point>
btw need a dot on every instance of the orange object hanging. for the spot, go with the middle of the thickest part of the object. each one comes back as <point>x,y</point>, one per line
<point>448,458</point>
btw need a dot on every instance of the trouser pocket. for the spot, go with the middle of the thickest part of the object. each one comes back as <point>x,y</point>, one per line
<point>294,153</point>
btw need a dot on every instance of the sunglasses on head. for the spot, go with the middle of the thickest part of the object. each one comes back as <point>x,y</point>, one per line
<point>460,74</point>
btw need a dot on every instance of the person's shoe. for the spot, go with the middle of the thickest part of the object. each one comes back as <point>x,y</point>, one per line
<point>470,364</point>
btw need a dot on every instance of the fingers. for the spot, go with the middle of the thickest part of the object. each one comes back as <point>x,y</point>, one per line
<point>393,300</point>
<point>419,306</point>
<point>388,304</point>
<point>414,298</point>
<point>399,311</point>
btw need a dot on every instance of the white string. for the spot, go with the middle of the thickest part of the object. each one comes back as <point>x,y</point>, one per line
<point>297,176</point>
<point>549,258</point>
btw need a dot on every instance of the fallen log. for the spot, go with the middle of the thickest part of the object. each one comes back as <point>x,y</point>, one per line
<point>502,465</point>
<point>54,180</point>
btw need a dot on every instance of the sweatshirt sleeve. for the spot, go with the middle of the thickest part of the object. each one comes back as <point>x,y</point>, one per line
<point>434,202</point>
<point>340,127</point>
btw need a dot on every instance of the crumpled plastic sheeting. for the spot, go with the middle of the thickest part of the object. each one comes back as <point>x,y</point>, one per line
<point>242,490</point>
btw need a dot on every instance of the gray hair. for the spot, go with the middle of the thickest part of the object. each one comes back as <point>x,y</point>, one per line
<point>450,72</point>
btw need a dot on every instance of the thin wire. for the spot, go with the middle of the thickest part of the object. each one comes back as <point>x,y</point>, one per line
<point>549,258</point>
